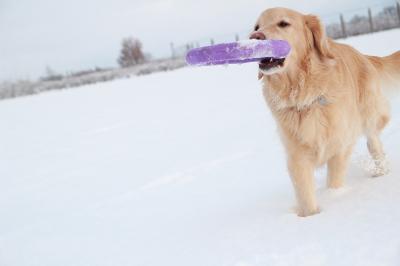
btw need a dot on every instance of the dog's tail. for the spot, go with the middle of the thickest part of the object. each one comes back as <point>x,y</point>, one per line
<point>388,68</point>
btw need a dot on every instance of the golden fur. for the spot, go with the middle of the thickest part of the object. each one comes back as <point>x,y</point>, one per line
<point>324,98</point>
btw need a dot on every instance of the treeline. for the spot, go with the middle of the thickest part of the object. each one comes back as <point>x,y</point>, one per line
<point>57,81</point>
<point>388,18</point>
<point>132,61</point>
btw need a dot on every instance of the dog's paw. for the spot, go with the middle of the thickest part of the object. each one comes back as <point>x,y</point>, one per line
<point>308,212</point>
<point>381,168</point>
<point>377,172</point>
<point>335,183</point>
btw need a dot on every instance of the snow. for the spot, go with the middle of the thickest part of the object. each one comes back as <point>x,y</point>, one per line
<point>181,168</point>
<point>265,48</point>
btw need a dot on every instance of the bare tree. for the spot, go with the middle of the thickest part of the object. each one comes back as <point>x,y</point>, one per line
<point>131,52</point>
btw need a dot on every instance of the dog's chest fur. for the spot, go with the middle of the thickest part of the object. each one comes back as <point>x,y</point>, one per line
<point>313,120</point>
<point>305,119</point>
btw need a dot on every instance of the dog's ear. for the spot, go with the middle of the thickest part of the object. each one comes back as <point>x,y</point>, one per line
<point>319,38</point>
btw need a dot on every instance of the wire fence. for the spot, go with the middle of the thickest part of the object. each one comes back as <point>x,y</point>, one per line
<point>341,25</point>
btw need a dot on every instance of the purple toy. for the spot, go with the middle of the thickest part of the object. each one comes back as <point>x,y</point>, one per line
<point>238,52</point>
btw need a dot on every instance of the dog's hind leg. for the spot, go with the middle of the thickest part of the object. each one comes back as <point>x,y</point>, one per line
<point>337,168</point>
<point>375,147</point>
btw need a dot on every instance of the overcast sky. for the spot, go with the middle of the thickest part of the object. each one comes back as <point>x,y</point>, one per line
<point>79,34</point>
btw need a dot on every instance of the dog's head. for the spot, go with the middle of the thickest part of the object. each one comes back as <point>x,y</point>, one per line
<point>304,33</point>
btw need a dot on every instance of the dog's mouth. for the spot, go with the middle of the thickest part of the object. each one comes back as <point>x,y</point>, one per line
<point>271,63</point>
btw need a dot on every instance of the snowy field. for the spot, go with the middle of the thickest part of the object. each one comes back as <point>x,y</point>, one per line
<point>182,168</point>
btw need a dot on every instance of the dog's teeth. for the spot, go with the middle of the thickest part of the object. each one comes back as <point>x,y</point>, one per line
<point>270,60</point>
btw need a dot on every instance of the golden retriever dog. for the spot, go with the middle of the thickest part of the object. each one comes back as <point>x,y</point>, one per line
<point>323,96</point>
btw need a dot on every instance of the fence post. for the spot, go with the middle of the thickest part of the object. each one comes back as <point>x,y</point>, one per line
<point>398,11</point>
<point>236,37</point>
<point>172,50</point>
<point>212,41</point>
<point>343,25</point>
<point>371,23</point>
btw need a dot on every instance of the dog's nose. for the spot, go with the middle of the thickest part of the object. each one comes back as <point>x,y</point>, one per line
<point>258,35</point>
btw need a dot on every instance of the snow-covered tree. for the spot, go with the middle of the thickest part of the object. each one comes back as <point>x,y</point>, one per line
<point>334,30</point>
<point>357,25</point>
<point>386,19</point>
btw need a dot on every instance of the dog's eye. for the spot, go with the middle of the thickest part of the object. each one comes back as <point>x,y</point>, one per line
<point>283,24</point>
<point>256,28</point>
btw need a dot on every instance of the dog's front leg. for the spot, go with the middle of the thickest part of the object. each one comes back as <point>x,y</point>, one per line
<point>301,170</point>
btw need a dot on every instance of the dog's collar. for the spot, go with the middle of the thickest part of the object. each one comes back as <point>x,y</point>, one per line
<point>279,104</point>
<point>321,100</point>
